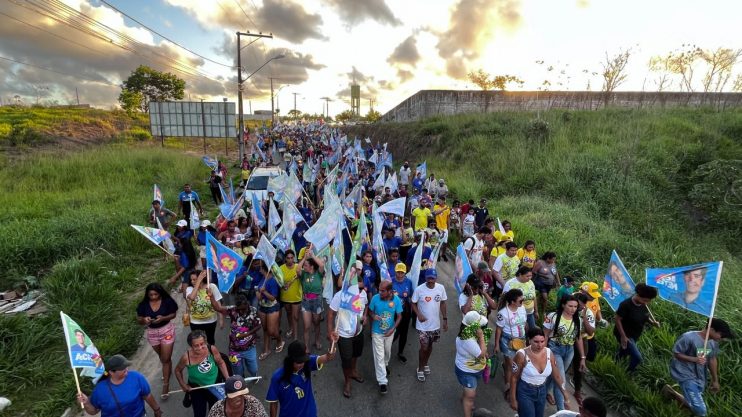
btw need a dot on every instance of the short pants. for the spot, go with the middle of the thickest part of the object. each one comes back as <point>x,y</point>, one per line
<point>428,337</point>
<point>350,347</point>
<point>272,309</point>
<point>467,379</point>
<point>164,335</point>
<point>313,306</point>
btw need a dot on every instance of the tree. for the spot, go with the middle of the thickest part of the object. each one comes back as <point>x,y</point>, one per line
<point>659,65</point>
<point>131,101</point>
<point>152,85</point>
<point>737,86</point>
<point>499,82</point>
<point>294,114</point>
<point>683,63</point>
<point>614,73</point>
<point>720,64</point>
<point>345,116</point>
<point>372,116</point>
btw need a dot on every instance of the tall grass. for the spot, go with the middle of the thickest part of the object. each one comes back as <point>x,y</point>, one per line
<point>66,220</point>
<point>598,181</point>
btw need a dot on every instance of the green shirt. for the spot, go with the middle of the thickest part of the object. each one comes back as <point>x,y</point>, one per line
<point>203,373</point>
<point>564,291</point>
<point>311,283</point>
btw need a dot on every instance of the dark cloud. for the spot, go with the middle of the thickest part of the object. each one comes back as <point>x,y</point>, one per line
<point>404,75</point>
<point>405,53</point>
<point>356,11</point>
<point>469,23</point>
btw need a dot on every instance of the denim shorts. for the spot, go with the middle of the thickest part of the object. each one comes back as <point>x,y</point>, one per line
<point>542,287</point>
<point>505,346</point>
<point>467,379</point>
<point>313,306</point>
<point>272,309</point>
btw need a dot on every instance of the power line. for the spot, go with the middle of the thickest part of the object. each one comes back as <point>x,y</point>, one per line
<point>57,72</point>
<point>237,2</point>
<point>165,37</point>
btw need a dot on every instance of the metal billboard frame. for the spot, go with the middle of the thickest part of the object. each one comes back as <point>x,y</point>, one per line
<point>193,119</point>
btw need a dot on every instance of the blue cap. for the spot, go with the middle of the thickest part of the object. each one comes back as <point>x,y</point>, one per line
<point>431,273</point>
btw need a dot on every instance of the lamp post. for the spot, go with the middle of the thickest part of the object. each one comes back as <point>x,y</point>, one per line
<point>277,108</point>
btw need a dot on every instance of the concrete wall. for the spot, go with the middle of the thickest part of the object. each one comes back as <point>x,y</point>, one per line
<point>427,103</point>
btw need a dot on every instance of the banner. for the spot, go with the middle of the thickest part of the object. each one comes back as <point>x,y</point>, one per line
<point>81,350</point>
<point>463,269</point>
<point>395,206</point>
<point>223,261</point>
<point>692,287</point>
<point>157,195</point>
<point>617,284</point>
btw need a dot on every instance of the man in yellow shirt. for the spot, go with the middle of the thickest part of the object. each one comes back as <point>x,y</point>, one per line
<point>291,293</point>
<point>442,212</point>
<point>421,215</point>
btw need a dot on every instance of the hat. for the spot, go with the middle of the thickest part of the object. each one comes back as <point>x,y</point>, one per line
<point>591,288</point>
<point>181,223</point>
<point>723,328</point>
<point>400,267</point>
<point>235,386</point>
<point>441,181</point>
<point>359,265</point>
<point>431,273</point>
<point>205,223</point>
<point>482,266</point>
<point>474,317</point>
<point>117,363</point>
<point>297,352</point>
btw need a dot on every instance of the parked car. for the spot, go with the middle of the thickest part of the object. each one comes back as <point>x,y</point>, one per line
<point>258,182</point>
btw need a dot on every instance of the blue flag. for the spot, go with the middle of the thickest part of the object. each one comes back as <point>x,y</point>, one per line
<point>395,206</point>
<point>210,162</point>
<point>258,216</point>
<point>157,195</point>
<point>617,285</point>
<point>463,269</point>
<point>692,287</point>
<point>223,261</point>
<point>423,169</point>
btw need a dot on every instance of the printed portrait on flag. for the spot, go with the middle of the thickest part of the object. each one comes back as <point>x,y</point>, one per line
<point>617,283</point>
<point>692,287</point>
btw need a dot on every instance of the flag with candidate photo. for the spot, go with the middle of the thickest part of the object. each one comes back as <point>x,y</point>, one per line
<point>692,287</point>
<point>617,284</point>
<point>157,195</point>
<point>463,268</point>
<point>156,236</point>
<point>81,350</point>
<point>223,261</point>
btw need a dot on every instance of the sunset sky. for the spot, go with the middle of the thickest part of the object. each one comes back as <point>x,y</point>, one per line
<point>391,48</point>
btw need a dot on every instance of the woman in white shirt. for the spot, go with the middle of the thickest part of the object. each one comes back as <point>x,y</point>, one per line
<point>532,367</point>
<point>471,356</point>
<point>510,332</point>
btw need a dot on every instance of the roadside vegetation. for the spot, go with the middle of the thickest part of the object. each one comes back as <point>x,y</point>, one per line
<point>662,187</point>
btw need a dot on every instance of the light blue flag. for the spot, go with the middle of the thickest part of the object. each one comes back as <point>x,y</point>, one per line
<point>157,195</point>
<point>306,172</point>
<point>280,241</point>
<point>463,268</point>
<point>291,218</point>
<point>395,206</point>
<point>617,284</point>
<point>435,253</point>
<point>258,216</point>
<point>195,219</point>
<point>277,185</point>
<point>293,188</point>
<point>692,287</point>
<point>225,196</point>
<point>218,392</point>
<point>223,261</point>
<point>338,249</point>
<point>232,195</point>
<point>374,158</point>
<point>329,286</point>
<point>293,167</point>
<point>210,162</point>
<point>266,252</point>
<point>229,211</point>
<point>417,260</point>
<point>323,231</point>
<point>388,160</point>
<point>423,169</point>
<point>378,244</point>
<point>273,219</point>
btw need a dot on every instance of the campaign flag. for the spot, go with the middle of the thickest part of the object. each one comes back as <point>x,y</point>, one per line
<point>156,236</point>
<point>423,169</point>
<point>463,269</point>
<point>378,244</point>
<point>218,392</point>
<point>692,287</point>
<point>388,160</point>
<point>379,183</point>
<point>306,172</point>
<point>223,261</point>
<point>277,185</point>
<point>500,228</point>
<point>417,260</point>
<point>280,241</point>
<point>258,216</point>
<point>291,218</point>
<point>374,159</point>
<point>617,284</point>
<point>210,162</point>
<point>225,196</point>
<point>392,183</point>
<point>168,242</point>
<point>323,231</point>
<point>293,188</point>
<point>81,350</point>
<point>327,256</point>
<point>260,152</point>
<point>338,249</point>
<point>232,195</point>
<point>229,211</point>
<point>435,253</point>
<point>195,219</point>
<point>273,218</point>
<point>157,195</point>
<point>266,252</point>
<point>395,206</point>
<point>293,167</point>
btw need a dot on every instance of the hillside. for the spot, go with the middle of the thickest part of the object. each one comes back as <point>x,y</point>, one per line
<point>663,188</point>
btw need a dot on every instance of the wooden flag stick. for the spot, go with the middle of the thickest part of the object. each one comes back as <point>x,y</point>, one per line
<point>215,385</point>
<point>77,384</point>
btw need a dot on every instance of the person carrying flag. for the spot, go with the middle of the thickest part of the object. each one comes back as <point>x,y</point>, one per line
<point>631,317</point>
<point>185,199</point>
<point>157,212</point>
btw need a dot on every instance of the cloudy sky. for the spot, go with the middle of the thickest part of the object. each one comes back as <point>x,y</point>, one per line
<point>391,48</point>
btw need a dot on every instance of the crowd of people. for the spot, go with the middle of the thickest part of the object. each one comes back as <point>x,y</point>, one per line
<point>384,278</point>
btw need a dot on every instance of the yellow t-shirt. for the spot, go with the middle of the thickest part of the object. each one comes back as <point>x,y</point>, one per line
<point>497,251</point>
<point>441,219</point>
<point>421,217</point>
<point>528,258</point>
<point>509,235</point>
<point>302,252</point>
<point>245,174</point>
<point>528,289</point>
<point>293,294</point>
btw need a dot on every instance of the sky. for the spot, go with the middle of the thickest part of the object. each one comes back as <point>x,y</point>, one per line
<point>57,50</point>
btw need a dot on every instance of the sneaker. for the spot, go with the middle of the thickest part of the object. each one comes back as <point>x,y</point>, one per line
<point>383,389</point>
<point>402,358</point>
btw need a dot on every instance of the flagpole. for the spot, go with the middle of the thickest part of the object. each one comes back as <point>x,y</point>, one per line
<point>713,306</point>
<point>255,378</point>
<point>74,371</point>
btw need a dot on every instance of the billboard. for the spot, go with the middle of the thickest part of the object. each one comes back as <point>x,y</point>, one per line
<point>193,119</point>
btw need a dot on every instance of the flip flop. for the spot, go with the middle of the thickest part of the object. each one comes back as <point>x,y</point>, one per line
<point>550,399</point>
<point>279,348</point>
<point>165,392</point>
<point>264,355</point>
<point>420,376</point>
<point>358,379</point>
<point>346,394</point>
<point>426,369</point>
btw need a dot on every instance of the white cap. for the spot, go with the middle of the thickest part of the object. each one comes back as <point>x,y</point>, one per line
<point>474,317</point>
<point>359,264</point>
<point>181,223</point>
<point>205,223</point>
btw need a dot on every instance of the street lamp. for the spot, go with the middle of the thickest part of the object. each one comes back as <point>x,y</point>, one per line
<point>278,107</point>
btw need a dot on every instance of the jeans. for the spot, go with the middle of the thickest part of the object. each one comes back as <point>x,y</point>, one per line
<point>382,349</point>
<point>632,351</point>
<point>245,360</point>
<point>693,393</point>
<point>563,355</point>
<point>592,350</point>
<point>531,399</point>
<point>531,321</point>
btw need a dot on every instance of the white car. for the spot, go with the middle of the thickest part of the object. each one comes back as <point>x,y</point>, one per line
<point>258,182</point>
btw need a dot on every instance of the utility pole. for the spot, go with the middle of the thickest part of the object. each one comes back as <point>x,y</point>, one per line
<point>273,111</point>
<point>295,94</point>
<point>371,102</point>
<point>78,96</point>
<point>240,135</point>
<point>327,101</point>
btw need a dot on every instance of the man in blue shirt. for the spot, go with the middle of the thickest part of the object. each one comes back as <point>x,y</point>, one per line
<point>385,309</point>
<point>402,288</point>
<point>417,182</point>
<point>369,273</point>
<point>291,385</point>
<point>185,199</point>
<point>390,241</point>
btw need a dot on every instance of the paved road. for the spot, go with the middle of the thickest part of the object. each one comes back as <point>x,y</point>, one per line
<point>438,396</point>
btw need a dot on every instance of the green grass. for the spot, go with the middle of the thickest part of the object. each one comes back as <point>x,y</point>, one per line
<point>66,220</point>
<point>585,183</point>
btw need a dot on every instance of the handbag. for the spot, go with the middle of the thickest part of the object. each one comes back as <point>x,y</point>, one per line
<point>187,401</point>
<point>515,343</point>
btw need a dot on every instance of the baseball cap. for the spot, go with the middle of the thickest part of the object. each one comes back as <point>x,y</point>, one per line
<point>591,288</point>
<point>482,266</point>
<point>431,273</point>
<point>359,265</point>
<point>205,223</point>
<point>723,328</point>
<point>474,317</point>
<point>182,223</point>
<point>117,363</point>
<point>401,267</point>
<point>297,352</point>
<point>235,386</point>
